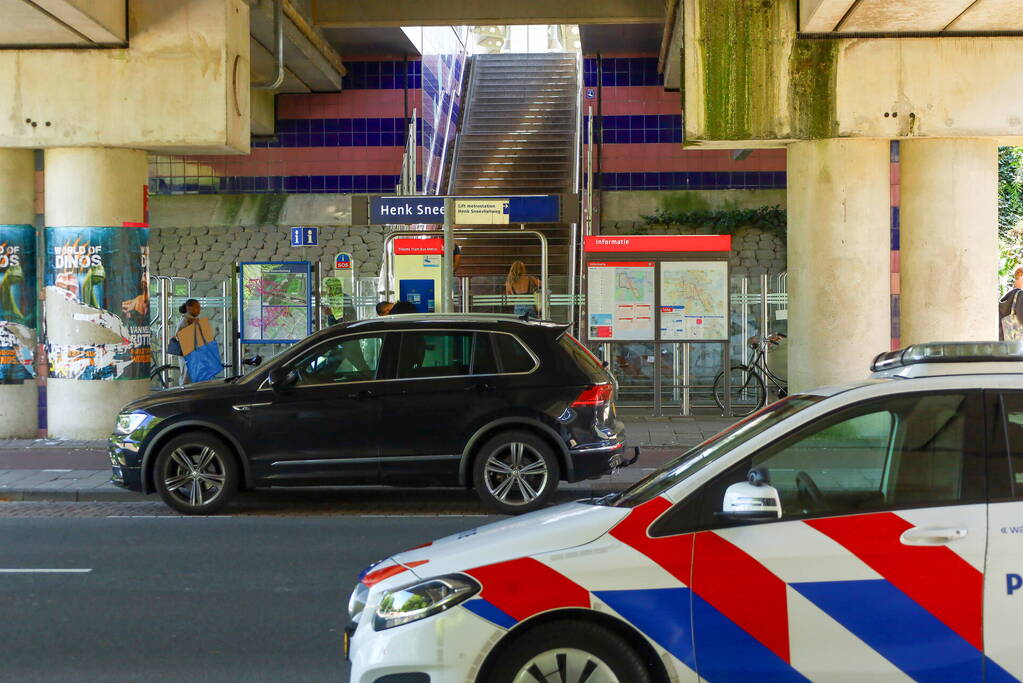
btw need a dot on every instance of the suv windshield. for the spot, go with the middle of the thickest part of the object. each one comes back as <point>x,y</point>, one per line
<point>700,456</point>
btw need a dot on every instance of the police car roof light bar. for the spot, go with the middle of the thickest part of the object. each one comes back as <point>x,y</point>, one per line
<point>949,352</point>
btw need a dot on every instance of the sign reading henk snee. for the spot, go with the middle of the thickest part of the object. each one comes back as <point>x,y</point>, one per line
<point>467,210</point>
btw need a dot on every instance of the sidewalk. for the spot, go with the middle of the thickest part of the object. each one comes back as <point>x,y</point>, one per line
<point>53,470</point>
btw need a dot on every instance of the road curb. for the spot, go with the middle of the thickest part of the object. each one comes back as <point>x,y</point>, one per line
<point>70,496</point>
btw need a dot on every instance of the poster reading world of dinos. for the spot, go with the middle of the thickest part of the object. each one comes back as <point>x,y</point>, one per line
<point>97,303</point>
<point>17,303</point>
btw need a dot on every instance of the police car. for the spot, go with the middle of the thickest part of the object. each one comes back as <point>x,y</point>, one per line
<point>867,532</point>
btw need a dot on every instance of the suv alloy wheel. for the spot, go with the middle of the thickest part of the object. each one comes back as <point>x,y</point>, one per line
<point>196,474</point>
<point>515,472</point>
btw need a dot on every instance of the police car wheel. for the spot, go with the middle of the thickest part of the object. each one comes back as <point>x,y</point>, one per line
<point>569,652</point>
<point>515,472</point>
<point>196,474</point>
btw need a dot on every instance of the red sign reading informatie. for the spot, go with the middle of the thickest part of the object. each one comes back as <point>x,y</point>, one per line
<point>621,264</point>
<point>658,243</point>
<point>412,246</point>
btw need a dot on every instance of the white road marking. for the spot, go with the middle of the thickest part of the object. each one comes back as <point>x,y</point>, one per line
<point>56,470</point>
<point>45,571</point>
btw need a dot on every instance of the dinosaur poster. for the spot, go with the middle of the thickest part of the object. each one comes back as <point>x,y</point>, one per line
<point>18,303</point>
<point>97,303</point>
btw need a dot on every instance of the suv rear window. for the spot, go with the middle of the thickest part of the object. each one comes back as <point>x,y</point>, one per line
<point>584,359</point>
<point>514,357</point>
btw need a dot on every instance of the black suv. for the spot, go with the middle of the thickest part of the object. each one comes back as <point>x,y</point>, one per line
<point>505,406</point>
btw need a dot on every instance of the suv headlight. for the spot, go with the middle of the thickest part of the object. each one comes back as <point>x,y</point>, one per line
<point>129,422</point>
<point>422,600</point>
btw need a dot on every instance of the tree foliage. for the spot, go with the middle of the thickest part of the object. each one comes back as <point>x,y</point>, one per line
<point>1010,190</point>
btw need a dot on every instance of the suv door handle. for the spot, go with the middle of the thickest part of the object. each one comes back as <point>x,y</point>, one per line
<point>481,386</point>
<point>365,393</point>
<point>930,535</point>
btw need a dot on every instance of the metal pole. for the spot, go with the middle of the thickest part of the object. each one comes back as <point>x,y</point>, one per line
<point>448,262</point>
<point>466,303</point>
<point>238,332</point>
<point>543,273</point>
<point>744,324</point>
<point>687,407</point>
<point>728,379</point>
<point>657,379</point>
<point>164,319</point>
<point>571,276</point>
<point>764,312</point>
<point>316,296</point>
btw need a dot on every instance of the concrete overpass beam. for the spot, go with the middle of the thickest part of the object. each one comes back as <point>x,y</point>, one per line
<point>370,13</point>
<point>838,260</point>
<point>19,398</point>
<point>102,22</point>
<point>949,240</point>
<point>97,299</point>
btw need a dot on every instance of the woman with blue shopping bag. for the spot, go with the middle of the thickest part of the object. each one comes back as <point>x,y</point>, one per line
<point>198,345</point>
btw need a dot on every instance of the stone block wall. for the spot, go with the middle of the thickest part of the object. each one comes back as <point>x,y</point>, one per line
<point>208,254</point>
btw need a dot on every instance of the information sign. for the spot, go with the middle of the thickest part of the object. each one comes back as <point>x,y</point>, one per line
<point>305,237</point>
<point>414,246</point>
<point>276,302</point>
<point>482,211</point>
<point>343,261</point>
<point>694,300</point>
<point>620,296</point>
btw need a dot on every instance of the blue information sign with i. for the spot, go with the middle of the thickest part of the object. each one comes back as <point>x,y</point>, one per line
<point>305,237</point>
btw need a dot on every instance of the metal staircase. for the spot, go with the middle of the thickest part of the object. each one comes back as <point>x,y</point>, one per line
<point>519,136</point>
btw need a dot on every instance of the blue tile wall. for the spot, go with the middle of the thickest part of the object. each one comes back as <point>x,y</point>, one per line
<point>289,184</point>
<point>721,180</point>
<point>642,129</point>
<point>621,71</point>
<point>362,132</point>
<point>382,75</point>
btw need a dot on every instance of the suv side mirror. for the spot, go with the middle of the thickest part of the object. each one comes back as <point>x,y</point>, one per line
<point>754,500</point>
<point>280,379</point>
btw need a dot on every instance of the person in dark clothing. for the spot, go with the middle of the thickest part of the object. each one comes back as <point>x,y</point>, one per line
<point>395,308</point>
<point>1010,310</point>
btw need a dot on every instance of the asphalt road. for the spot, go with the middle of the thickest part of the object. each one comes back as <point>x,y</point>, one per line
<point>189,599</point>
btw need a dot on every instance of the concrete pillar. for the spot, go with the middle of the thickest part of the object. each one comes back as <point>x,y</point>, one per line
<point>19,299</point>
<point>97,288</point>
<point>949,240</point>
<point>838,259</point>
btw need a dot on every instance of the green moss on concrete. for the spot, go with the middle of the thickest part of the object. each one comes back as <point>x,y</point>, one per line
<point>740,49</point>
<point>270,208</point>
<point>681,202</point>
<point>230,208</point>
<point>812,86</point>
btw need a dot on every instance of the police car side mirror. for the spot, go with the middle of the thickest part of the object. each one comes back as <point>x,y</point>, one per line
<point>751,502</point>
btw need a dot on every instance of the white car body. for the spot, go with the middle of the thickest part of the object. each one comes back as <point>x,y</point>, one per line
<point>928,592</point>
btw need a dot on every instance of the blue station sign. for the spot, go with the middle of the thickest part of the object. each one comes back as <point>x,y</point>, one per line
<point>430,210</point>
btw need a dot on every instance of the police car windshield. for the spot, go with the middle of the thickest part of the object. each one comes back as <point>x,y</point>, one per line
<point>697,458</point>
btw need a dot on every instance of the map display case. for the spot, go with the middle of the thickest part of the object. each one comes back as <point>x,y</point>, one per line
<point>654,288</point>
<point>276,302</point>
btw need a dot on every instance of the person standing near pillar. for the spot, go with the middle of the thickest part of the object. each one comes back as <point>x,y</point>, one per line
<point>19,397</point>
<point>1010,310</point>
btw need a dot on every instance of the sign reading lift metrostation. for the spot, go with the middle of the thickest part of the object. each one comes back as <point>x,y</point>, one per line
<point>417,210</point>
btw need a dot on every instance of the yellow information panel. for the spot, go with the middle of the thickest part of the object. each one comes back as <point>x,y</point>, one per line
<point>481,212</point>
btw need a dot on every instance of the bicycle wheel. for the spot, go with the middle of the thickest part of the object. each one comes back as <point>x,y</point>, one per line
<point>165,375</point>
<point>747,390</point>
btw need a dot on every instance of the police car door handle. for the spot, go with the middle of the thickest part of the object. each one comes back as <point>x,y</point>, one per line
<point>481,386</point>
<point>923,535</point>
<point>365,393</point>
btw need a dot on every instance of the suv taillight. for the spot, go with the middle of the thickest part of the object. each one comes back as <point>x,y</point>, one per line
<point>594,395</point>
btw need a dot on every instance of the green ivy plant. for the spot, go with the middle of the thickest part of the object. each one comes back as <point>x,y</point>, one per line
<point>770,219</point>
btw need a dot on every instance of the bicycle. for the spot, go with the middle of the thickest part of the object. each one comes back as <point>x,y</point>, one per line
<point>748,388</point>
<point>167,376</point>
